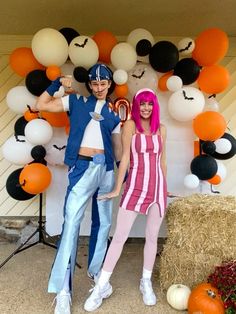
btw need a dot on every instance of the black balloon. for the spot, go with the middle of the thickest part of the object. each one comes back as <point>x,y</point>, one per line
<point>143,47</point>
<point>19,127</point>
<point>69,33</point>
<point>163,56</point>
<point>208,147</point>
<point>204,167</point>
<point>232,151</point>
<point>14,189</point>
<point>188,70</point>
<point>38,152</point>
<point>37,82</point>
<point>80,74</point>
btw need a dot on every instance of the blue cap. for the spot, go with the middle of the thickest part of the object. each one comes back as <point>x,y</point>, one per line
<point>100,72</point>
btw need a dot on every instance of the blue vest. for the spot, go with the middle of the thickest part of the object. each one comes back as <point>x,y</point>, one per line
<point>79,116</point>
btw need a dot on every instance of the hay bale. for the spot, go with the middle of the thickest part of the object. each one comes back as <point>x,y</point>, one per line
<point>203,224</point>
<point>178,266</point>
<point>201,234</point>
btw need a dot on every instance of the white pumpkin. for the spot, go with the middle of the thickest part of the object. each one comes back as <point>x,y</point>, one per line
<point>177,296</point>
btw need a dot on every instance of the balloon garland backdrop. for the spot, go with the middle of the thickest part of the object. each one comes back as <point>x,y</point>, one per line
<point>187,70</point>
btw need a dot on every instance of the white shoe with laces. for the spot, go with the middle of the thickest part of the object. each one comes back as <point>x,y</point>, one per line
<point>145,287</point>
<point>94,301</point>
<point>63,303</point>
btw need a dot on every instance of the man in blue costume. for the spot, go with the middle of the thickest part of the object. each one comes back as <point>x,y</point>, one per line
<point>93,142</point>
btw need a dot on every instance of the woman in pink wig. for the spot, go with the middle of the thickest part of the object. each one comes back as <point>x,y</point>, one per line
<point>143,141</point>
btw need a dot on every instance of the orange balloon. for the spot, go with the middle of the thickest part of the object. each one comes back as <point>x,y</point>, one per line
<point>162,81</point>
<point>67,128</point>
<point>215,180</point>
<point>210,46</point>
<point>196,148</point>
<point>22,61</point>
<point>56,119</point>
<point>209,125</point>
<point>213,79</point>
<point>30,115</point>
<point>53,72</point>
<point>105,41</point>
<point>35,178</point>
<point>121,90</point>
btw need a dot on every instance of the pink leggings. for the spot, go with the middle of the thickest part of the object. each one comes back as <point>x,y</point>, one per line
<point>125,220</point>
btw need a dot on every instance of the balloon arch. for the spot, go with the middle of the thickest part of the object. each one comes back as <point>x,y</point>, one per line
<point>189,70</point>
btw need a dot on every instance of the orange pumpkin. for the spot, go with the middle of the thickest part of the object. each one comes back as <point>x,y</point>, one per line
<point>204,299</point>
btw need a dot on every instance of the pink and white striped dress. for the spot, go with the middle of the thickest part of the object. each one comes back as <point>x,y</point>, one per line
<point>146,183</point>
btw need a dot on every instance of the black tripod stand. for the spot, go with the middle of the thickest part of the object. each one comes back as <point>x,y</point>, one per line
<point>40,230</point>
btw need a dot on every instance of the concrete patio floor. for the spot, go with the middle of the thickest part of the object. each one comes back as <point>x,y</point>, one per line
<point>23,283</point>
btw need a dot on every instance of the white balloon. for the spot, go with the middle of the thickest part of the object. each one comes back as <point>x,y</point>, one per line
<point>38,131</point>
<point>191,181</point>
<point>50,47</point>
<point>221,171</point>
<point>186,46</point>
<point>18,98</point>
<point>123,56</point>
<point>138,34</point>
<point>83,51</point>
<point>80,88</point>
<point>141,76</point>
<point>223,145</point>
<point>174,83</point>
<point>135,36</point>
<point>211,104</point>
<point>120,77</point>
<point>17,150</point>
<point>185,104</point>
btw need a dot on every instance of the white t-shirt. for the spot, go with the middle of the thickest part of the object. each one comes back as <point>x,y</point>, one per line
<point>92,135</point>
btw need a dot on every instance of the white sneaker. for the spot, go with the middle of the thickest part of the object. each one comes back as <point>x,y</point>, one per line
<point>63,303</point>
<point>95,299</point>
<point>145,287</point>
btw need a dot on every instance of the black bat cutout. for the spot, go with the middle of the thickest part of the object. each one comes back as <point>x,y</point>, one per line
<point>187,47</point>
<point>213,191</point>
<point>138,76</point>
<point>59,148</point>
<point>82,45</point>
<point>16,137</point>
<point>212,96</point>
<point>30,110</point>
<point>185,96</point>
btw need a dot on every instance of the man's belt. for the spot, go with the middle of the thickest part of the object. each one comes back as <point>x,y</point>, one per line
<point>97,159</point>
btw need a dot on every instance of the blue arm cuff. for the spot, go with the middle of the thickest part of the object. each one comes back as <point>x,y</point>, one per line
<point>54,87</point>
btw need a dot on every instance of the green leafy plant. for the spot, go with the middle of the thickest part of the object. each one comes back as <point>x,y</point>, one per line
<point>224,279</point>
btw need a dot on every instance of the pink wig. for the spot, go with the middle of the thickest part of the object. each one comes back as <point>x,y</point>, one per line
<point>146,95</point>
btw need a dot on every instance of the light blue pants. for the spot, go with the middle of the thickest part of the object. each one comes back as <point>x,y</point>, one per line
<point>84,179</point>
